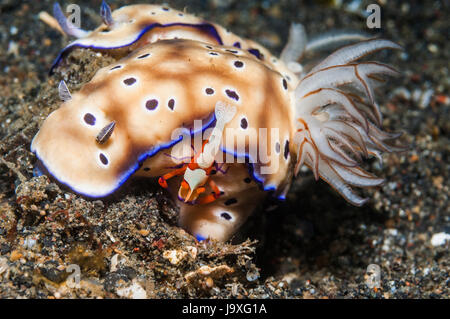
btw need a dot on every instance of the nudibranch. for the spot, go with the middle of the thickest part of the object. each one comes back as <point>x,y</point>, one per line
<point>215,118</point>
<point>133,26</point>
<point>133,117</point>
<point>123,121</point>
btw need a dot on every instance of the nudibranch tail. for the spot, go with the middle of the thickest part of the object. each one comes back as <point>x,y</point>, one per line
<point>335,127</point>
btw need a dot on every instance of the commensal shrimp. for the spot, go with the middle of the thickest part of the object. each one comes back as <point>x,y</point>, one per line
<point>198,171</point>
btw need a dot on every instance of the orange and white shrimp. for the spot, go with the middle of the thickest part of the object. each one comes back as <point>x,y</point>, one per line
<point>197,172</point>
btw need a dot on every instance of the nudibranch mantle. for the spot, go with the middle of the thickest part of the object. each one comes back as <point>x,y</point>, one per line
<point>130,27</point>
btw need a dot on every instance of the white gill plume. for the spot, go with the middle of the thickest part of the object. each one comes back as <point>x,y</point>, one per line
<point>338,119</point>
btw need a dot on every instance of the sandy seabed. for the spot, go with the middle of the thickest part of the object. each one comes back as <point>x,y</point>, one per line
<point>313,245</point>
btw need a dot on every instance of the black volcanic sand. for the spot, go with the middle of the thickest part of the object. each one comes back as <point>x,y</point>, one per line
<point>313,245</point>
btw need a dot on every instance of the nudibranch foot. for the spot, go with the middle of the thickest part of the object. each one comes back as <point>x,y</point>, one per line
<point>221,218</point>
